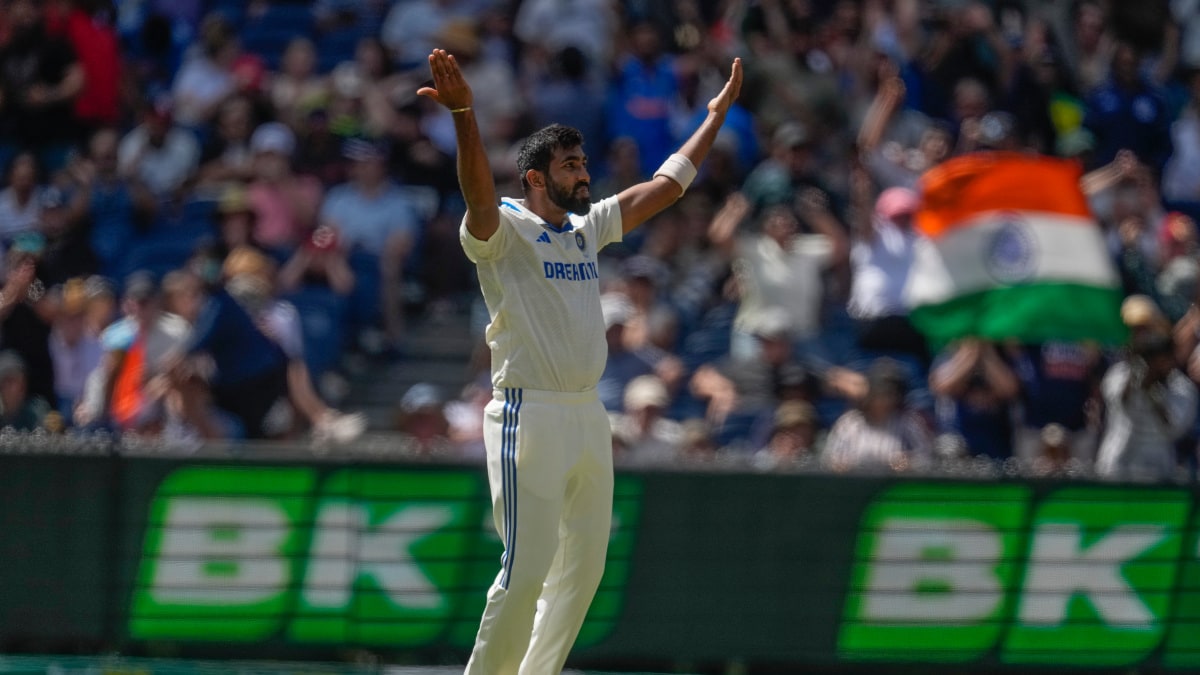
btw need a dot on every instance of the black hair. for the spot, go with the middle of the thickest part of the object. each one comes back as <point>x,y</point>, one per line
<point>538,149</point>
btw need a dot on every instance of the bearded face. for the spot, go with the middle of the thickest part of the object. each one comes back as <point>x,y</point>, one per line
<point>573,198</point>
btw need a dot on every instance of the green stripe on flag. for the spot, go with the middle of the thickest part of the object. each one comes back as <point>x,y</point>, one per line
<point>1031,313</point>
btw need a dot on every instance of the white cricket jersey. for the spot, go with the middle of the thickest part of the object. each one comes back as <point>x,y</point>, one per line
<point>542,292</point>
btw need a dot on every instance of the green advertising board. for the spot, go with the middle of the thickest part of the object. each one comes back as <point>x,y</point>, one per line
<point>307,560</point>
<point>367,557</point>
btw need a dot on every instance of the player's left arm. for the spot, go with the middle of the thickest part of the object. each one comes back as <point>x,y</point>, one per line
<point>642,201</point>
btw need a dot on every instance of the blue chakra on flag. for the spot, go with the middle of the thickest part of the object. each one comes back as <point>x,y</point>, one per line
<point>580,241</point>
<point>1011,256</point>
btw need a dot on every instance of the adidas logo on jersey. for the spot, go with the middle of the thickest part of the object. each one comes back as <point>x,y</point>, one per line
<point>544,239</point>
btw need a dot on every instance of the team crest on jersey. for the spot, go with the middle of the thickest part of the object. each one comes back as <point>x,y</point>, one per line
<point>580,241</point>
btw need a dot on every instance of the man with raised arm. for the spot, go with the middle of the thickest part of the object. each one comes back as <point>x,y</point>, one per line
<point>549,446</point>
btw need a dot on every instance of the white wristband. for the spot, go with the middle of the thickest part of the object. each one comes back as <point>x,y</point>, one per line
<point>679,169</point>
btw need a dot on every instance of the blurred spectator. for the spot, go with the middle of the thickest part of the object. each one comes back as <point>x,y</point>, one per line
<point>19,409</point>
<point>411,28</point>
<point>136,349</point>
<point>880,258</point>
<point>1091,44</point>
<point>789,168</point>
<point>227,158</point>
<point>891,162</point>
<point>40,76</point>
<point>250,279</point>
<point>20,202</point>
<point>976,390</point>
<point>235,219</point>
<point>87,26</point>
<point>652,320</point>
<point>641,95</point>
<point>285,203</point>
<point>106,207</point>
<point>569,92</point>
<point>27,312</point>
<point>625,364</point>
<point>318,262</point>
<point>297,88</point>
<point>249,379</point>
<point>157,153</point>
<point>1181,177</point>
<point>1142,316</point>
<point>206,77</point>
<point>1149,405</point>
<point>641,432</point>
<point>1129,112</point>
<point>419,417</point>
<point>590,25</point>
<point>883,431</point>
<point>75,352</point>
<point>372,215</point>
<point>793,436</point>
<point>782,268</point>
<point>101,304</point>
<point>1058,386</point>
<point>496,101</point>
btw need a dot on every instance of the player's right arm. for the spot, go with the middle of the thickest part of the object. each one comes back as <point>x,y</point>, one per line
<point>450,89</point>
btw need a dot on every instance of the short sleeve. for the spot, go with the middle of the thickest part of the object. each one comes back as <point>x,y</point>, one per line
<point>479,250</point>
<point>604,219</point>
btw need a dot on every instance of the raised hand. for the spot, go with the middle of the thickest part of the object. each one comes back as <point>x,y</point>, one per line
<point>449,88</point>
<point>729,93</point>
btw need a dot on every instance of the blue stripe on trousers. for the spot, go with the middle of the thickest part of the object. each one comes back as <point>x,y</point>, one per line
<point>513,399</point>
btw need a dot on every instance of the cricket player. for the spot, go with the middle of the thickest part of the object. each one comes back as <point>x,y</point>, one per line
<point>549,446</point>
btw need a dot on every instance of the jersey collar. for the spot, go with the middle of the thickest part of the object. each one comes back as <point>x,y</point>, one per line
<point>518,206</point>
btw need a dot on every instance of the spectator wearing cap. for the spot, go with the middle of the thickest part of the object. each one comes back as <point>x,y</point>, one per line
<point>19,409</point>
<point>226,159</point>
<point>421,418</point>
<point>374,217</point>
<point>159,154</point>
<point>236,219</point>
<point>75,352</point>
<point>20,202</point>
<point>641,433</point>
<point>976,392</point>
<point>249,370</point>
<point>285,203</point>
<point>27,312</point>
<point>625,364</point>
<point>136,350</point>
<point>1149,405</point>
<point>881,257</point>
<point>883,431</point>
<point>782,268</point>
<point>106,207</point>
<point>789,168</point>
<point>793,437</point>
<point>250,278</point>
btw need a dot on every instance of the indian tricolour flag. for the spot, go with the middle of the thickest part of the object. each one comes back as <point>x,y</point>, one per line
<point>1011,251</point>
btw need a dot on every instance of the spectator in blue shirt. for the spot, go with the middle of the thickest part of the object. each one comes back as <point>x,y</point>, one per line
<point>641,97</point>
<point>1129,112</point>
<point>375,218</point>
<point>976,390</point>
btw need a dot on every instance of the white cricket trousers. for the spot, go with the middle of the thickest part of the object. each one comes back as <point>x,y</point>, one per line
<point>549,460</point>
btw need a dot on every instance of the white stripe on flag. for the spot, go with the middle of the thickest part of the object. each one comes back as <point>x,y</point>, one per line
<point>1065,249</point>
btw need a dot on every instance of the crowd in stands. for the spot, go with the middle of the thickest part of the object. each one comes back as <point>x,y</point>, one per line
<point>208,202</point>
